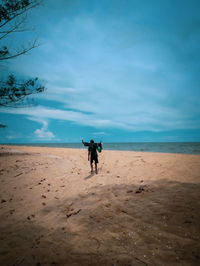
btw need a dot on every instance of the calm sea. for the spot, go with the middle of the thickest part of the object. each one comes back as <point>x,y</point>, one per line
<point>164,147</point>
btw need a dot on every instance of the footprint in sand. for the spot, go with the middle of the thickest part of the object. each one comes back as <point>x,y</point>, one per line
<point>141,189</point>
<point>37,240</point>
<point>39,183</point>
<point>12,211</point>
<point>31,217</point>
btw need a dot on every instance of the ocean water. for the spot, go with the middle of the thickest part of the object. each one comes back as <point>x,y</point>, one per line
<point>164,147</point>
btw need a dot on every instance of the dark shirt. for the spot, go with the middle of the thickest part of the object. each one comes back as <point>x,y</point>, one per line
<point>92,147</point>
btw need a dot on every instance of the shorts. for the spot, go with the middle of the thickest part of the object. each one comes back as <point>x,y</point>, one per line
<point>94,158</point>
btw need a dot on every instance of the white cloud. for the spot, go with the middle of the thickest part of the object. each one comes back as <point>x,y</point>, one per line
<point>143,120</point>
<point>100,133</point>
<point>43,133</point>
<point>40,113</point>
<point>37,119</point>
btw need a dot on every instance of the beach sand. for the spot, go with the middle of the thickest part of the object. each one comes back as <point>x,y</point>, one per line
<point>140,209</point>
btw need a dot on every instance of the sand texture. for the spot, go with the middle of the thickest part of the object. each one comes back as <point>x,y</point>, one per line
<point>141,208</point>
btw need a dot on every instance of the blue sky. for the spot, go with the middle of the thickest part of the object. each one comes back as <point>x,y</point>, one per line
<point>114,71</point>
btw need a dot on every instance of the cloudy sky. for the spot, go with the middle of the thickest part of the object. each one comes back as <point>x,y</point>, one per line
<point>115,70</point>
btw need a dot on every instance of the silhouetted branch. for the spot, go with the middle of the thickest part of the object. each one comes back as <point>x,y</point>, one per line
<point>14,9</point>
<point>13,92</point>
<point>6,55</point>
<point>15,28</point>
<point>3,126</point>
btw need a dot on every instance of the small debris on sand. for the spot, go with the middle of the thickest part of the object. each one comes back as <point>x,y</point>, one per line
<point>72,213</point>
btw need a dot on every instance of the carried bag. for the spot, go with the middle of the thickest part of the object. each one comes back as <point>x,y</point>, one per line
<point>99,149</point>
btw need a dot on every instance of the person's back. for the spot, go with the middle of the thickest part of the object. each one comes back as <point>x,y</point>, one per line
<point>93,149</point>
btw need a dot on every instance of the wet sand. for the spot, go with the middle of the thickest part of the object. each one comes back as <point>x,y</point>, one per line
<point>141,208</point>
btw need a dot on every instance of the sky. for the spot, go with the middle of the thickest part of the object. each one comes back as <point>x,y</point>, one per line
<point>114,70</point>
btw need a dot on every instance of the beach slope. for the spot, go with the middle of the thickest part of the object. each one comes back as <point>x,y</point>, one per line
<point>140,209</point>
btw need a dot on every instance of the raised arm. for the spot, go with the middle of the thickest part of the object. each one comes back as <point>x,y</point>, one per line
<point>85,143</point>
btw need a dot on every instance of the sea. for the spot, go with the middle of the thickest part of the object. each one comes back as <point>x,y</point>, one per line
<point>163,147</point>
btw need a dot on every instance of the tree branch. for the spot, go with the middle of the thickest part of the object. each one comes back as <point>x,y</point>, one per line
<point>13,29</point>
<point>13,92</point>
<point>20,13</point>
<point>2,125</point>
<point>20,53</point>
<point>22,30</point>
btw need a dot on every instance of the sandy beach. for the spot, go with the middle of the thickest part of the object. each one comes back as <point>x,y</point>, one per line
<point>140,209</point>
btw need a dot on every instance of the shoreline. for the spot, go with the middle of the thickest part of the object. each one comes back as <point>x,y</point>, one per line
<point>112,150</point>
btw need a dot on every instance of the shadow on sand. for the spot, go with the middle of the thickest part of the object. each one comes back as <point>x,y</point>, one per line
<point>89,176</point>
<point>122,225</point>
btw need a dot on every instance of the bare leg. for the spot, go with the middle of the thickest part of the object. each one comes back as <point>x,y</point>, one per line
<point>96,171</point>
<point>91,164</point>
<point>88,155</point>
